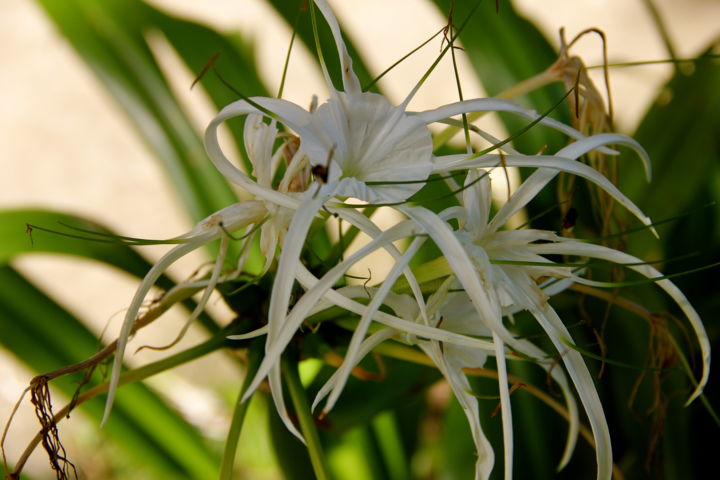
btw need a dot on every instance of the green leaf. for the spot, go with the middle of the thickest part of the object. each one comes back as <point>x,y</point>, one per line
<point>18,239</point>
<point>110,36</point>
<point>679,133</point>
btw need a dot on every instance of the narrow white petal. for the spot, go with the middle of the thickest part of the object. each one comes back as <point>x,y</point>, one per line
<point>276,390</point>
<point>289,113</point>
<point>506,411</point>
<point>351,357</point>
<point>595,142</point>
<point>366,347</point>
<point>526,294</point>
<point>351,84</point>
<point>461,389</point>
<point>558,375</point>
<point>290,259</point>
<point>556,164</point>
<point>155,272</point>
<point>253,334</point>
<point>598,251</point>
<point>496,105</point>
<point>212,283</point>
<point>308,280</point>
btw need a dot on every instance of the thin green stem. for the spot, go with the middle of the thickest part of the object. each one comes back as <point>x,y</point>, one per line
<point>662,29</point>
<point>442,54</point>
<point>287,57</point>
<point>321,58</point>
<point>466,129</point>
<point>233,437</point>
<point>657,62</point>
<point>307,422</point>
<point>405,57</point>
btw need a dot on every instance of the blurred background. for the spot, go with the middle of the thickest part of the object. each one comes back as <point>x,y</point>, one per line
<point>66,145</point>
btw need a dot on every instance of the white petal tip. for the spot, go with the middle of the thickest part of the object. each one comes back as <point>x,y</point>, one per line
<point>652,228</point>
<point>106,416</point>
<point>246,396</point>
<point>698,391</point>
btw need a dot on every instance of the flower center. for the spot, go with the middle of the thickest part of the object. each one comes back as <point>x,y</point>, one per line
<point>363,138</point>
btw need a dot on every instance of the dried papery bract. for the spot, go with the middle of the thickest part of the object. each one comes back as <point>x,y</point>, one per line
<point>590,115</point>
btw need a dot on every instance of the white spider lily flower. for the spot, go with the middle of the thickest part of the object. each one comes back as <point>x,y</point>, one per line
<point>364,147</point>
<point>501,270</point>
<point>368,149</point>
<point>491,287</point>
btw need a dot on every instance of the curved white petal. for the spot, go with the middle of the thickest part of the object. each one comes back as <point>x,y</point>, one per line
<point>289,113</point>
<point>253,334</point>
<point>276,391</point>
<point>155,272</point>
<point>506,412</point>
<point>550,166</point>
<point>308,281</point>
<point>351,84</point>
<point>352,357</point>
<point>496,105</point>
<point>558,375</point>
<point>462,391</point>
<point>570,247</point>
<point>212,283</point>
<point>595,142</point>
<point>526,293</point>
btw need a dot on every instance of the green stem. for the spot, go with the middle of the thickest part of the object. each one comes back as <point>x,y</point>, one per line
<point>307,422</point>
<point>662,29</point>
<point>228,458</point>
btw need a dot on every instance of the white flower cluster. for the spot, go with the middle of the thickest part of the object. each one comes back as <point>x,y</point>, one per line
<point>357,145</point>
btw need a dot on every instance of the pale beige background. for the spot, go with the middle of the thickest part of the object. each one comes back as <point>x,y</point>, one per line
<point>64,144</point>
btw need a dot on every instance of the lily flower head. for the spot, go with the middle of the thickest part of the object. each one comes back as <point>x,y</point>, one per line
<point>364,147</point>
<point>504,271</point>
